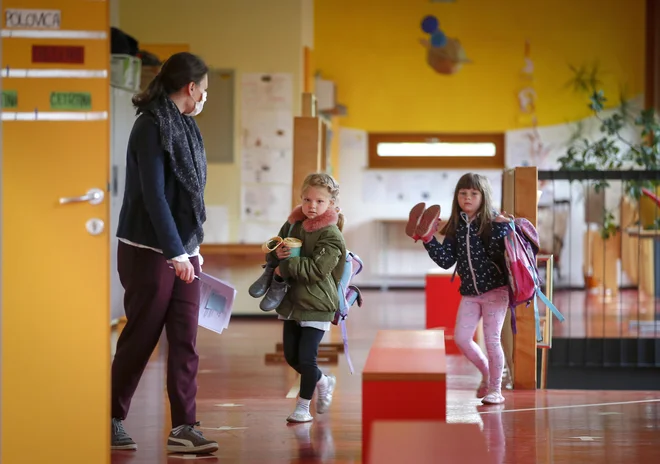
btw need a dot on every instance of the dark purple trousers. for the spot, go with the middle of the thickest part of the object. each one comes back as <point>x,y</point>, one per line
<point>155,298</point>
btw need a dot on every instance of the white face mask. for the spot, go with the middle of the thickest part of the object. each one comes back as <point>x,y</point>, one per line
<point>199,106</point>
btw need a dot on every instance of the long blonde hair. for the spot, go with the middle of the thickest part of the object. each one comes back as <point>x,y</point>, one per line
<point>323,180</point>
<point>486,212</point>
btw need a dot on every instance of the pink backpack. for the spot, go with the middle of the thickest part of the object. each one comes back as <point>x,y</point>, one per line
<point>521,248</point>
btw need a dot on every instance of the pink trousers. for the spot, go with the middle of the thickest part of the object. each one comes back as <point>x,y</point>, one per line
<point>492,307</point>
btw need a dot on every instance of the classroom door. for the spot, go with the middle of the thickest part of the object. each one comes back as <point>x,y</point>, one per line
<point>55,255</point>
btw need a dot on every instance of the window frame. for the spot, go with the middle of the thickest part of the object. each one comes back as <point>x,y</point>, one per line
<point>435,162</point>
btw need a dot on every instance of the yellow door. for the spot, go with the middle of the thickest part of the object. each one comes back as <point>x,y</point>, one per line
<point>55,262</point>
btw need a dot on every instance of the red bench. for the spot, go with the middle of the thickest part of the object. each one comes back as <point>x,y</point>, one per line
<point>427,443</point>
<point>404,378</point>
<point>442,300</point>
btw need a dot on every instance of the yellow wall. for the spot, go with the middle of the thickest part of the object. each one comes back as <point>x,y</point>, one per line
<point>371,49</point>
<point>164,51</point>
<point>262,36</point>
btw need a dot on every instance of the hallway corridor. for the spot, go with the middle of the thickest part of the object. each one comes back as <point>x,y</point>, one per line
<point>243,404</point>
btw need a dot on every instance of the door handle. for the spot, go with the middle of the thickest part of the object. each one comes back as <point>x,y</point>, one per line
<point>93,196</point>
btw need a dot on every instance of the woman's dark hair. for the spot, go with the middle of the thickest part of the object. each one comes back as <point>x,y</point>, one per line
<point>177,72</point>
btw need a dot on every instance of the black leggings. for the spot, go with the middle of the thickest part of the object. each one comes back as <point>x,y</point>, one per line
<point>301,347</point>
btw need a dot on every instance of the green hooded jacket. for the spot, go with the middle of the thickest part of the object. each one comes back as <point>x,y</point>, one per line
<point>313,277</point>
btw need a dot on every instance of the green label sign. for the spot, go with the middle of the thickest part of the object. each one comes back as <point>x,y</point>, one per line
<point>70,101</point>
<point>9,99</point>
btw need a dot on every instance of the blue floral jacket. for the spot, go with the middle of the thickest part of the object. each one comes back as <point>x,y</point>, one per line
<point>479,265</point>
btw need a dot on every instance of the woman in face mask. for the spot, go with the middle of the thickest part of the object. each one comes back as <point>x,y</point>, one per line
<point>160,230</point>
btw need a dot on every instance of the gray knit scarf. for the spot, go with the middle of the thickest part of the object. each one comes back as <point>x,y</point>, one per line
<point>183,143</point>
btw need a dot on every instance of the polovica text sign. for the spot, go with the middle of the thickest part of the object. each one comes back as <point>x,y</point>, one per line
<point>32,19</point>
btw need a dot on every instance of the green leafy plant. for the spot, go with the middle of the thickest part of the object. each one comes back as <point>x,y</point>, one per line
<point>612,151</point>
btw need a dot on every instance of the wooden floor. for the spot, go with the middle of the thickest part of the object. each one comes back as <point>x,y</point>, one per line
<point>243,404</point>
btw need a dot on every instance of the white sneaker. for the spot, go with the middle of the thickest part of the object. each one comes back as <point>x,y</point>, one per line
<point>300,416</point>
<point>323,402</point>
<point>493,398</point>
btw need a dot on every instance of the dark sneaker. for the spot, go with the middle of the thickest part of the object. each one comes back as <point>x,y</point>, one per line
<point>274,295</point>
<point>186,439</point>
<point>261,285</point>
<point>119,439</point>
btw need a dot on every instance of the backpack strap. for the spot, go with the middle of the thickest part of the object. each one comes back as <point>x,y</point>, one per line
<point>344,336</point>
<point>453,276</point>
<point>549,306</point>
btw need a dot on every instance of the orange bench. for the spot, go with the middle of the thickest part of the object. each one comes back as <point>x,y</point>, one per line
<point>427,443</point>
<point>442,300</point>
<point>404,378</point>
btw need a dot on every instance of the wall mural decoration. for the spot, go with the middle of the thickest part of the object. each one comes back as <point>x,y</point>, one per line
<point>445,55</point>
<point>538,150</point>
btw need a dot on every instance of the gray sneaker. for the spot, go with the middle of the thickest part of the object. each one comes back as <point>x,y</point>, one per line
<point>186,439</point>
<point>119,439</point>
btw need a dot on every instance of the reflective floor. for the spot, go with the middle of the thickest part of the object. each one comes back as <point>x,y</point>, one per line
<point>243,404</point>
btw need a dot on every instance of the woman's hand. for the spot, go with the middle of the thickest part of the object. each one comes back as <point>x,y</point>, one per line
<point>184,270</point>
<point>504,217</point>
<point>283,252</point>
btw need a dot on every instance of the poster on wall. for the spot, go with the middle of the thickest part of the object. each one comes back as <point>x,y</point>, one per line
<point>267,92</point>
<point>267,153</point>
<point>262,165</point>
<point>266,202</point>
<point>408,187</point>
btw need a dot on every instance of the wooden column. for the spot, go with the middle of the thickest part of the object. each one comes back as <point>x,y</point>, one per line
<point>524,353</point>
<point>308,145</point>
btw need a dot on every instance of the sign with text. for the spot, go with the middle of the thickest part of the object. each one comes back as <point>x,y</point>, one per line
<point>71,101</point>
<point>66,54</point>
<point>32,19</point>
<point>9,99</point>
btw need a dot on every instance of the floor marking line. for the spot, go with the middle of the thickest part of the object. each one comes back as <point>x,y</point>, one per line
<point>567,407</point>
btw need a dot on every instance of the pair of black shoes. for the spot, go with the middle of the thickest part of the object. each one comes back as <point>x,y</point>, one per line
<point>273,287</point>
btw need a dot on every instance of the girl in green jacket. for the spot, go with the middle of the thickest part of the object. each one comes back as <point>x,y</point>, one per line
<point>303,288</point>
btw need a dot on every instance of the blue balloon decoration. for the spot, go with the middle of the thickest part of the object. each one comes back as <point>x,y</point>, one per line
<point>438,39</point>
<point>430,24</point>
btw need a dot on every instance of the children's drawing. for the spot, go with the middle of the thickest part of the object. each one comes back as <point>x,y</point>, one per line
<point>445,55</point>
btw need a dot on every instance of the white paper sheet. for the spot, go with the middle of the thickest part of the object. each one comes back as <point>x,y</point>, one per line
<point>267,91</point>
<point>216,302</point>
<point>267,129</point>
<point>267,148</point>
<point>261,165</point>
<point>269,202</point>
